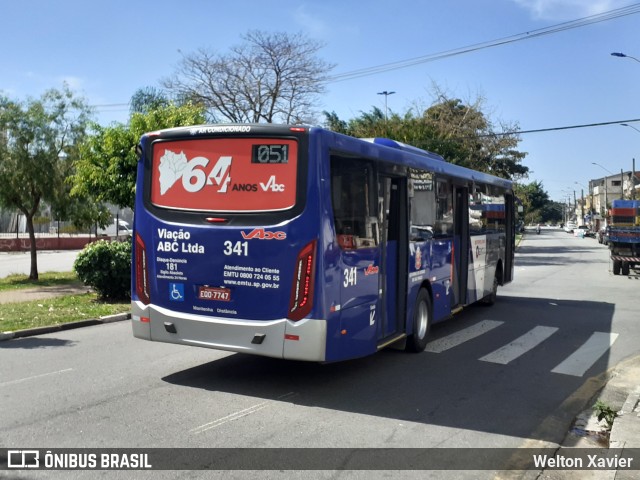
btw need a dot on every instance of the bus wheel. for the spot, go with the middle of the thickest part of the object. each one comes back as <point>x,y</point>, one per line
<point>491,298</point>
<point>616,267</point>
<point>417,341</point>
<point>625,268</point>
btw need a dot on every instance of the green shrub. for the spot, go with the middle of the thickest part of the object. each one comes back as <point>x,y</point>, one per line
<point>106,266</point>
<point>605,412</point>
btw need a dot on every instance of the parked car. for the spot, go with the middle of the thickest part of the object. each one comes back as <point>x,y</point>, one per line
<point>602,236</point>
<point>570,227</point>
<point>583,231</point>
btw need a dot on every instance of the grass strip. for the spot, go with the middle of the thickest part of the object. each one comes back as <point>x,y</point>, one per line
<point>52,311</point>
<point>56,311</point>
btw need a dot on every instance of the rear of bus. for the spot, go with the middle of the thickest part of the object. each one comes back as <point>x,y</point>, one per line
<point>226,241</point>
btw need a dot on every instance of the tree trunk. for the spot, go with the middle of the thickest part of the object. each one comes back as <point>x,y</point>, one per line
<point>33,275</point>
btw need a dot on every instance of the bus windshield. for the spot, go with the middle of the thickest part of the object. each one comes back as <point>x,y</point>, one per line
<point>224,175</point>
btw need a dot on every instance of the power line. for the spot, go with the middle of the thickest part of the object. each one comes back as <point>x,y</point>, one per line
<point>386,67</point>
<point>553,129</point>
<point>107,105</point>
<point>112,107</point>
<point>602,17</point>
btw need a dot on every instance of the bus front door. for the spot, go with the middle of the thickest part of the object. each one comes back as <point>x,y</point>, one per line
<point>392,211</point>
<point>371,222</point>
<point>461,242</point>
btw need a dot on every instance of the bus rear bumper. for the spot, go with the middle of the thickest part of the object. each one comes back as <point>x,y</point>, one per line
<point>280,338</point>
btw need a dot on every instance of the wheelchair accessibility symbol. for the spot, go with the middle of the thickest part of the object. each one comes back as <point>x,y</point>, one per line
<point>176,292</point>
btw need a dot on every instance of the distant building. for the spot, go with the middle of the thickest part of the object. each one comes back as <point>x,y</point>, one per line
<point>602,191</point>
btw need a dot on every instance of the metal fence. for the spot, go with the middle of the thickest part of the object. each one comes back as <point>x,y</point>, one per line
<point>14,224</point>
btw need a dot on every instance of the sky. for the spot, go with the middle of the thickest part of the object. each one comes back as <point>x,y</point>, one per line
<point>105,51</point>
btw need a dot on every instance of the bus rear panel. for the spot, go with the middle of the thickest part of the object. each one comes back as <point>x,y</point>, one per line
<point>223,257</point>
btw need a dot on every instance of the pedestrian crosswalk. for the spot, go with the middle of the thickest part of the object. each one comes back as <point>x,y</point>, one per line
<point>585,356</point>
<point>576,364</point>
<point>521,345</point>
<point>464,335</point>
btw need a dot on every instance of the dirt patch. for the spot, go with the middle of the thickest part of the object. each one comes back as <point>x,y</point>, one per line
<point>41,293</point>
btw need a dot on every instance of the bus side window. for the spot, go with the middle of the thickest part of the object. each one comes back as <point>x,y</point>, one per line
<point>444,210</point>
<point>422,205</point>
<point>494,206</point>
<point>354,207</point>
<point>476,213</point>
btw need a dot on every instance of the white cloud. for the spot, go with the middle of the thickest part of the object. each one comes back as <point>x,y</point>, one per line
<point>309,23</point>
<point>560,10</point>
<point>75,83</point>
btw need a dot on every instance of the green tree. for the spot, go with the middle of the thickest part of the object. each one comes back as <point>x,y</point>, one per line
<point>147,99</point>
<point>84,211</point>
<point>534,200</point>
<point>461,133</point>
<point>38,144</point>
<point>552,212</point>
<point>108,164</point>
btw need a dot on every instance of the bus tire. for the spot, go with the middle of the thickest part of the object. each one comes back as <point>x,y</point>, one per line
<point>617,264</point>
<point>417,341</point>
<point>493,295</point>
<point>625,268</point>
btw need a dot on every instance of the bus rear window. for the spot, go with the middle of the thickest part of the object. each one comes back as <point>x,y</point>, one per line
<point>225,175</point>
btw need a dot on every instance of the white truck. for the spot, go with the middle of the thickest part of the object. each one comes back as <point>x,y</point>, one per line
<point>122,231</point>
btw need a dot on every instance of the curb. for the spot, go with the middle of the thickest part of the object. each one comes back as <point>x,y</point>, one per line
<point>64,326</point>
<point>626,427</point>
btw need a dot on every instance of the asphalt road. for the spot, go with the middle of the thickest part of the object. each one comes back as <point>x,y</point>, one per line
<point>511,375</point>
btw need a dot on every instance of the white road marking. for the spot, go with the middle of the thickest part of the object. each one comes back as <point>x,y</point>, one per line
<point>20,380</point>
<point>520,345</point>
<point>237,415</point>
<point>584,357</point>
<point>464,335</point>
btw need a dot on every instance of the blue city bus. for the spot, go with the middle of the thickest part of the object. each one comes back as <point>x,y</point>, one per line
<point>301,243</point>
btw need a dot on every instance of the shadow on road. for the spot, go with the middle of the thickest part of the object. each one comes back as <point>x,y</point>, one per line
<point>35,343</point>
<point>452,389</point>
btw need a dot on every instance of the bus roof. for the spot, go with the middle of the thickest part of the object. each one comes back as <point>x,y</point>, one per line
<point>383,149</point>
<point>399,153</point>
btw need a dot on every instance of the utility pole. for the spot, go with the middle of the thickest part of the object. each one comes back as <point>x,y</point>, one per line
<point>386,110</point>
<point>633,179</point>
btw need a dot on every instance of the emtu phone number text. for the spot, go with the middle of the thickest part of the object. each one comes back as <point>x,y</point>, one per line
<point>260,277</point>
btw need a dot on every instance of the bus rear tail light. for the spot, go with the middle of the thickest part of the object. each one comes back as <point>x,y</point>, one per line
<point>142,272</point>
<point>303,283</point>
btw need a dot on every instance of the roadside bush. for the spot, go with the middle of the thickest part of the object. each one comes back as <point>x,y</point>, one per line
<point>106,266</point>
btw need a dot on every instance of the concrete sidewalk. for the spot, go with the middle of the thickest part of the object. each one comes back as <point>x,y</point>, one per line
<point>621,393</point>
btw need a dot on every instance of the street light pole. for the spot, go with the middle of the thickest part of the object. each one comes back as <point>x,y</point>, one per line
<point>606,204</point>
<point>605,169</point>
<point>630,126</point>
<point>581,202</point>
<point>386,110</point>
<point>622,55</point>
<point>633,166</point>
<point>633,173</point>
